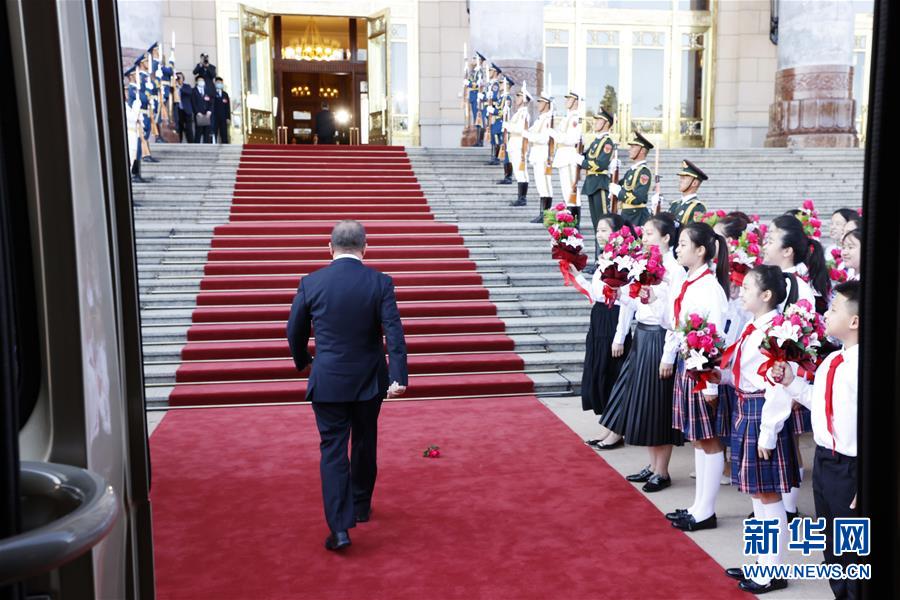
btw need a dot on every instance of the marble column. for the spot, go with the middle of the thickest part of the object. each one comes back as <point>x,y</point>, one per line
<point>510,34</point>
<point>814,104</point>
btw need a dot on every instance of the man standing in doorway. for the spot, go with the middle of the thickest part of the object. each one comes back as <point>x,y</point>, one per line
<point>221,112</point>
<point>325,128</point>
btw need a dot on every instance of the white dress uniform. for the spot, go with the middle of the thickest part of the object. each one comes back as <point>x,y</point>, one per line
<point>539,137</point>
<point>517,127</point>
<point>566,158</point>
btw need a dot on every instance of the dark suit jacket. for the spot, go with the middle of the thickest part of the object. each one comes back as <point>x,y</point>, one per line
<point>348,304</point>
<point>325,126</point>
<point>187,99</point>
<point>200,103</point>
<point>222,107</point>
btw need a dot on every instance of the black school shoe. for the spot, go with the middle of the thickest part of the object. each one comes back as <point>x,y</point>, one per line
<point>735,573</point>
<point>677,514</point>
<point>748,585</point>
<point>657,483</point>
<point>644,475</point>
<point>790,516</point>
<point>689,523</point>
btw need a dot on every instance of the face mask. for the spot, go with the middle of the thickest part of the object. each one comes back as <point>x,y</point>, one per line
<point>220,86</point>
<point>200,86</point>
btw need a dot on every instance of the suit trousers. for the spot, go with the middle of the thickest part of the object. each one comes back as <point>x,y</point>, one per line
<point>347,482</point>
<point>185,127</point>
<point>203,134</point>
<point>566,179</point>
<point>834,485</point>
<point>542,181</point>
<point>598,203</point>
<point>221,132</point>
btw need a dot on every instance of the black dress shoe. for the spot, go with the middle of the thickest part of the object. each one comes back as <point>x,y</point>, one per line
<point>363,515</point>
<point>792,515</point>
<point>593,443</point>
<point>149,158</point>
<point>602,446</point>
<point>520,201</point>
<point>748,585</point>
<point>657,483</point>
<point>138,179</point>
<point>641,477</point>
<point>338,540</point>
<point>505,180</point>
<point>689,523</point>
<point>735,573</point>
<point>678,513</point>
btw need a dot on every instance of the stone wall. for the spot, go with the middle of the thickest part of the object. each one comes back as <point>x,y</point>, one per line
<point>744,74</point>
<point>443,30</point>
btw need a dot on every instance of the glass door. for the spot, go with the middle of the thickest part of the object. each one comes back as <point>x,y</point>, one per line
<point>256,76</point>
<point>378,77</point>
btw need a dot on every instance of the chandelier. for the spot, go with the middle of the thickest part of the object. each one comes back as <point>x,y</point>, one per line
<point>313,47</point>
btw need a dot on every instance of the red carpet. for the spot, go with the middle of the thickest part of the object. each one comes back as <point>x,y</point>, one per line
<point>286,201</point>
<point>517,507</point>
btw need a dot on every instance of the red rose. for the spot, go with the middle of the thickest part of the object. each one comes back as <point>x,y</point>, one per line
<point>720,213</point>
<point>696,320</point>
<point>752,237</point>
<point>567,231</point>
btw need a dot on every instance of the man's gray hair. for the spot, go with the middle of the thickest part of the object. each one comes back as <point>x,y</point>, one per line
<point>348,235</point>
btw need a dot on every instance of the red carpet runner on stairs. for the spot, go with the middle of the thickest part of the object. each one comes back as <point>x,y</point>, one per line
<point>286,200</point>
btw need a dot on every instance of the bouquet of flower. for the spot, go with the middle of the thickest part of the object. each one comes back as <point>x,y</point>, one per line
<point>744,254</point>
<point>701,348</point>
<point>567,244</point>
<point>809,217</point>
<point>795,336</point>
<point>650,269</point>
<point>835,264</point>
<point>618,263</point>
<point>712,217</point>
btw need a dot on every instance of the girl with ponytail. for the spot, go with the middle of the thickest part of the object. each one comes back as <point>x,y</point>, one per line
<point>640,405</point>
<point>763,456</point>
<point>696,414</point>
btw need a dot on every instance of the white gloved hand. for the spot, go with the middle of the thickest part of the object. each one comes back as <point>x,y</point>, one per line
<point>614,189</point>
<point>466,82</point>
<point>159,73</point>
<point>655,200</point>
<point>481,96</point>
<point>613,165</point>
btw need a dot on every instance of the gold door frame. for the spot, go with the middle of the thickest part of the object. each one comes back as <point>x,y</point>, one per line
<point>379,73</point>
<point>258,121</point>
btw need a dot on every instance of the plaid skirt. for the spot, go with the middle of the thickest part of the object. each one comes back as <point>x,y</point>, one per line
<point>801,419</point>
<point>725,412</point>
<point>696,418</point>
<point>750,473</point>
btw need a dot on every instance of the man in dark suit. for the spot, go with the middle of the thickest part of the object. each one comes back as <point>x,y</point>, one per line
<point>185,109</point>
<point>221,112</point>
<point>202,102</point>
<point>325,127</point>
<point>348,304</point>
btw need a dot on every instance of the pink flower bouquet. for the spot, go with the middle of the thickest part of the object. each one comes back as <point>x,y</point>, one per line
<point>701,349</point>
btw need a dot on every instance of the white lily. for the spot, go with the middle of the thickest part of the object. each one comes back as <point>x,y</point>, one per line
<point>785,332</point>
<point>695,361</point>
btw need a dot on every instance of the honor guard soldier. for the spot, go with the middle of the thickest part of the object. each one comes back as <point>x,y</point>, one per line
<point>506,111</point>
<point>494,115</point>
<point>167,81</point>
<point>517,143</point>
<point>133,123</point>
<point>146,90</point>
<point>471,89</point>
<point>156,97</point>
<point>689,208</point>
<point>478,109</point>
<point>539,153</point>
<point>634,188</point>
<point>597,161</point>
<point>566,158</point>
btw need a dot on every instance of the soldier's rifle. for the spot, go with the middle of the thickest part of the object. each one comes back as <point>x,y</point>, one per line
<point>614,199</point>
<point>551,148</point>
<point>656,179</point>
<point>504,112</point>
<point>524,139</point>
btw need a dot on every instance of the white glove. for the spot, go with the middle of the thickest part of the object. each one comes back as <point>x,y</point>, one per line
<point>491,110</point>
<point>466,82</point>
<point>613,165</point>
<point>614,188</point>
<point>655,199</point>
<point>159,73</point>
<point>481,96</point>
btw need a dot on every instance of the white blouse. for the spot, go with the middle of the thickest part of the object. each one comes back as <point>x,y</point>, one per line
<point>656,312</point>
<point>844,401</point>
<point>595,287</point>
<point>706,298</point>
<point>777,407</point>
<point>804,290</point>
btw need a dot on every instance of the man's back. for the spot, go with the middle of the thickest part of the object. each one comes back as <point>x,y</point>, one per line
<point>325,128</point>
<point>347,304</point>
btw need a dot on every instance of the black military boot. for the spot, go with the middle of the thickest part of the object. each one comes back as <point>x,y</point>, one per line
<point>545,204</point>
<point>479,136</point>
<point>495,158</point>
<point>576,213</point>
<point>507,173</point>
<point>136,172</point>
<point>522,200</point>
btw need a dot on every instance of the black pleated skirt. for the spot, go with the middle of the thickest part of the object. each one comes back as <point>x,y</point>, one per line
<point>600,368</point>
<point>641,403</point>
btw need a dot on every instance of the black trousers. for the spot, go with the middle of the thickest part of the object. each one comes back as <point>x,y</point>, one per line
<point>834,485</point>
<point>598,203</point>
<point>221,131</point>
<point>347,482</point>
<point>203,135</point>
<point>185,127</point>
